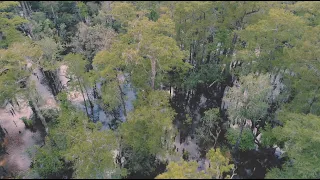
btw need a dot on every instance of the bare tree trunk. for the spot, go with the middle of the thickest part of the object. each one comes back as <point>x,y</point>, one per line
<point>16,100</point>
<point>216,137</point>
<point>85,103</point>
<point>90,102</point>
<point>28,7</point>
<point>188,96</point>
<point>24,9</point>
<point>121,96</point>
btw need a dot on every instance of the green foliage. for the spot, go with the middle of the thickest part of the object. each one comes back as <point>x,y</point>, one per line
<point>153,15</point>
<point>246,141</point>
<point>148,130</point>
<point>268,138</point>
<point>219,164</point>
<point>123,12</point>
<point>250,100</point>
<point>188,169</point>
<point>142,131</point>
<point>13,72</point>
<point>9,21</point>
<point>74,139</point>
<point>27,122</point>
<point>209,129</point>
<point>50,49</point>
<point>83,9</point>
<point>48,161</point>
<point>152,52</point>
<point>301,143</point>
<point>205,74</point>
<point>156,45</point>
<point>89,40</point>
<point>109,65</point>
<point>182,170</point>
<point>76,64</point>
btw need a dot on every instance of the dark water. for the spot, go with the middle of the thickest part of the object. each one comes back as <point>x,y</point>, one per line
<point>253,164</point>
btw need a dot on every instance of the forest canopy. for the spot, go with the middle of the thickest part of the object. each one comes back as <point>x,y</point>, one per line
<point>161,89</point>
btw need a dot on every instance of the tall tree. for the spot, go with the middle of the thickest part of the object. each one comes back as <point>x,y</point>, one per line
<point>110,65</point>
<point>249,100</point>
<point>77,70</point>
<point>152,41</point>
<point>209,129</point>
<point>301,144</point>
<point>9,21</point>
<point>90,40</point>
<point>148,130</point>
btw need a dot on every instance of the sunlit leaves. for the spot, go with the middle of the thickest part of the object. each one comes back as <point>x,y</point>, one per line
<point>300,134</point>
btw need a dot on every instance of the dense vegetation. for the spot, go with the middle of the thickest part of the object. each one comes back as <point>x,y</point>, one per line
<point>241,79</point>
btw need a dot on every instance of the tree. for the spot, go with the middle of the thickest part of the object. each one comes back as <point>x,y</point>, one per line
<point>148,130</point>
<point>90,40</point>
<point>76,65</point>
<point>47,160</point>
<point>151,46</point>
<point>182,170</point>
<point>49,62</point>
<point>73,139</point>
<point>246,141</point>
<point>301,144</point>
<point>209,128</point>
<point>9,21</point>
<point>109,64</point>
<point>15,75</point>
<point>267,39</point>
<point>249,100</point>
<point>123,12</point>
<point>219,164</point>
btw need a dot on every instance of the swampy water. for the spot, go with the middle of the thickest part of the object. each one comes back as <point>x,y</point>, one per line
<point>20,142</point>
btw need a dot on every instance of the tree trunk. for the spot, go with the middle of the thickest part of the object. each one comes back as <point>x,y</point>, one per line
<point>90,102</point>
<point>153,73</point>
<point>190,55</point>
<point>16,100</point>
<point>28,7</point>
<point>24,9</point>
<point>188,96</point>
<point>85,103</point>
<point>54,16</point>
<point>234,41</point>
<point>95,93</point>
<point>121,96</point>
<point>216,137</point>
